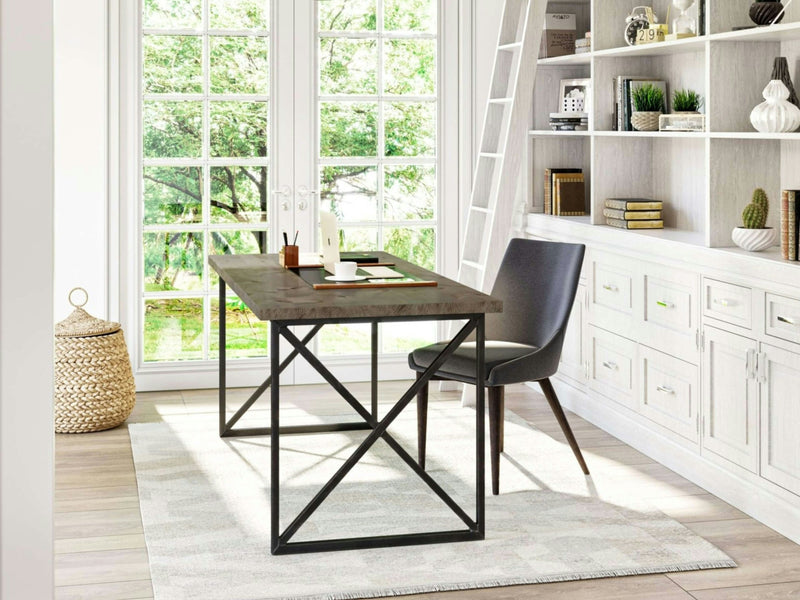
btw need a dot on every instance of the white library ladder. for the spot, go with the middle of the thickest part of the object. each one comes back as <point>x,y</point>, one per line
<point>502,143</point>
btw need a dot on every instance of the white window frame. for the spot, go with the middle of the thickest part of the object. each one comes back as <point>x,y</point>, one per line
<point>125,175</point>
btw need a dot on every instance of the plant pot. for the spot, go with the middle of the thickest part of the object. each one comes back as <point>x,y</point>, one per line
<point>753,240</point>
<point>645,121</point>
<point>764,12</point>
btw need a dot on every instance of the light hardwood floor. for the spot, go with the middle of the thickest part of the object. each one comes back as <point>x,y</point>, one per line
<point>101,553</point>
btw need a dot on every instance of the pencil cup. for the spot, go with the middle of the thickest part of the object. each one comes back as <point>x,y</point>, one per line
<point>289,256</point>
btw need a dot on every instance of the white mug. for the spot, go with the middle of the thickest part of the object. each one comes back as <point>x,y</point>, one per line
<point>345,270</point>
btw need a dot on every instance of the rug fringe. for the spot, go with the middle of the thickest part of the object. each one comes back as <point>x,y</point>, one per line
<point>425,589</point>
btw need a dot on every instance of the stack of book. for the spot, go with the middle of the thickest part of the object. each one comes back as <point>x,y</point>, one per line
<point>624,85</point>
<point>634,213</point>
<point>569,121</point>
<point>584,44</point>
<point>564,192</point>
<point>790,224</point>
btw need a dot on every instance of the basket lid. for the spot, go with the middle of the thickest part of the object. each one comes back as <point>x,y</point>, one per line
<point>82,324</point>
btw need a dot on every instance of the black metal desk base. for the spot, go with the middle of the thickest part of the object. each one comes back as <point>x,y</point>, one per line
<point>280,543</point>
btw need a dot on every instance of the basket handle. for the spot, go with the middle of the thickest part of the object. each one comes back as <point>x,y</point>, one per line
<point>78,289</point>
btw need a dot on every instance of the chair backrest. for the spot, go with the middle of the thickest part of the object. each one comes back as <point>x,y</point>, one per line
<point>537,282</point>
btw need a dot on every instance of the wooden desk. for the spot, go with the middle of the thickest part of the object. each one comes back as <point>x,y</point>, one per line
<point>278,295</point>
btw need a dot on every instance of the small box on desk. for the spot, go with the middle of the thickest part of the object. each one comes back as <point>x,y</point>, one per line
<point>558,36</point>
<point>289,256</point>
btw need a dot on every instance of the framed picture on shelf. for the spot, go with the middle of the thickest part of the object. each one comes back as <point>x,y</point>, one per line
<point>575,96</point>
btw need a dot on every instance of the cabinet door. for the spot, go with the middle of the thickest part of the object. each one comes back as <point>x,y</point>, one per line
<point>572,355</point>
<point>612,366</point>
<point>779,373</point>
<point>612,286</point>
<point>669,392</point>
<point>671,311</point>
<point>730,397</point>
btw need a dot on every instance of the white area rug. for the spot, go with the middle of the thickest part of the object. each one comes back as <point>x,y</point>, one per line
<point>205,508</point>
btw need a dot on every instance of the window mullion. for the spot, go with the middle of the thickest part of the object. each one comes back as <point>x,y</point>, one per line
<point>206,180</point>
<point>381,150</point>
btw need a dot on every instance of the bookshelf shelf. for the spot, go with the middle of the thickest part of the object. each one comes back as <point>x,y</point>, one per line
<point>651,134</point>
<point>782,32</point>
<point>569,59</point>
<point>704,178</point>
<point>555,134</point>
<point>657,49</point>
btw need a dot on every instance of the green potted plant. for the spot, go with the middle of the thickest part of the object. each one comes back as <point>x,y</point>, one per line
<point>686,101</point>
<point>755,236</point>
<point>648,104</point>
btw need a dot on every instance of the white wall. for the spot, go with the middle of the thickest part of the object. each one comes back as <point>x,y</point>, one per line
<point>80,154</point>
<point>26,299</point>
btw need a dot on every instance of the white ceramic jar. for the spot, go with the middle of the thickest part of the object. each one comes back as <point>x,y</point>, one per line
<point>776,114</point>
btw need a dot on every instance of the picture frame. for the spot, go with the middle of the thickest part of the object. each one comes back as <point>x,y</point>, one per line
<point>569,99</point>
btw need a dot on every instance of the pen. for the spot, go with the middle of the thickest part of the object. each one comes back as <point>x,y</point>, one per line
<point>285,239</point>
<point>294,243</point>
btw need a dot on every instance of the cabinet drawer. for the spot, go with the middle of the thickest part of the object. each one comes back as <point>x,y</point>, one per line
<point>727,302</point>
<point>670,392</point>
<point>671,310</point>
<point>612,293</point>
<point>613,287</point>
<point>668,304</point>
<point>612,366</point>
<point>783,318</point>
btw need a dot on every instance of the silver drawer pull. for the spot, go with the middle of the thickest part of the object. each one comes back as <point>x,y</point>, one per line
<point>610,365</point>
<point>665,304</point>
<point>610,287</point>
<point>724,302</point>
<point>787,320</point>
<point>665,389</point>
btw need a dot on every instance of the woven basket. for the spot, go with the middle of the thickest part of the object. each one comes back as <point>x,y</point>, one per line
<point>94,387</point>
<point>645,121</point>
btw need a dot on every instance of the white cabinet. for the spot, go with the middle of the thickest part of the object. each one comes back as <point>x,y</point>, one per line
<point>728,302</point>
<point>573,362</point>
<point>730,397</point>
<point>612,366</point>
<point>670,392</point>
<point>612,285</point>
<point>783,318</point>
<point>670,311</point>
<point>779,374</point>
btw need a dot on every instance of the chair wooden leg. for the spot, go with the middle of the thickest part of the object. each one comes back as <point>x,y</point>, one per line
<point>422,421</point>
<point>555,405</point>
<point>496,419</point>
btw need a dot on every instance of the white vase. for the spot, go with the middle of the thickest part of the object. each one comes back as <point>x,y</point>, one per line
<point>776,114</point>
<point>753,240</point>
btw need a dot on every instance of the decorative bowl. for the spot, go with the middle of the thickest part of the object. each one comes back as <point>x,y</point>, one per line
<point>753,240</point>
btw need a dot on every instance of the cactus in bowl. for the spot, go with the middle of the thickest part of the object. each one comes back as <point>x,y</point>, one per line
<point>754,215</point>
<point>755,236</point>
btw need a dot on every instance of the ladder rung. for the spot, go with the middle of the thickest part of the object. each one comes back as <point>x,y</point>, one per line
<point>472,264</point>
<point>511,46</point>
<point>500,100</point>
<point>490,155</point>
<point>481,209</point>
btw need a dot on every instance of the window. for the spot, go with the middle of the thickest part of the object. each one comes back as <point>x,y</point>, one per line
<point>205,169</point>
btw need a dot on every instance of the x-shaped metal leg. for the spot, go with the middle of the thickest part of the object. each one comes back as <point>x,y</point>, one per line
<point>280,542</point>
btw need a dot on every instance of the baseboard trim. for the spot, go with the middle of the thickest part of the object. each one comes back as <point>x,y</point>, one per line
<point>755,500</point>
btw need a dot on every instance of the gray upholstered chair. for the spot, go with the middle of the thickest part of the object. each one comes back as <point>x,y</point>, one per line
<point>537,282</point>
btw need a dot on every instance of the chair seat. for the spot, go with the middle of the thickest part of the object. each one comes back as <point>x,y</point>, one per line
<point>461,365</point>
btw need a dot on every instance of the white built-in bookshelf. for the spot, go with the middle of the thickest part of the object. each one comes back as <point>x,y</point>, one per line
<point>705,179</point>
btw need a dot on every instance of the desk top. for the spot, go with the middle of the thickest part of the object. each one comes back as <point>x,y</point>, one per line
<point>277,294</point>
